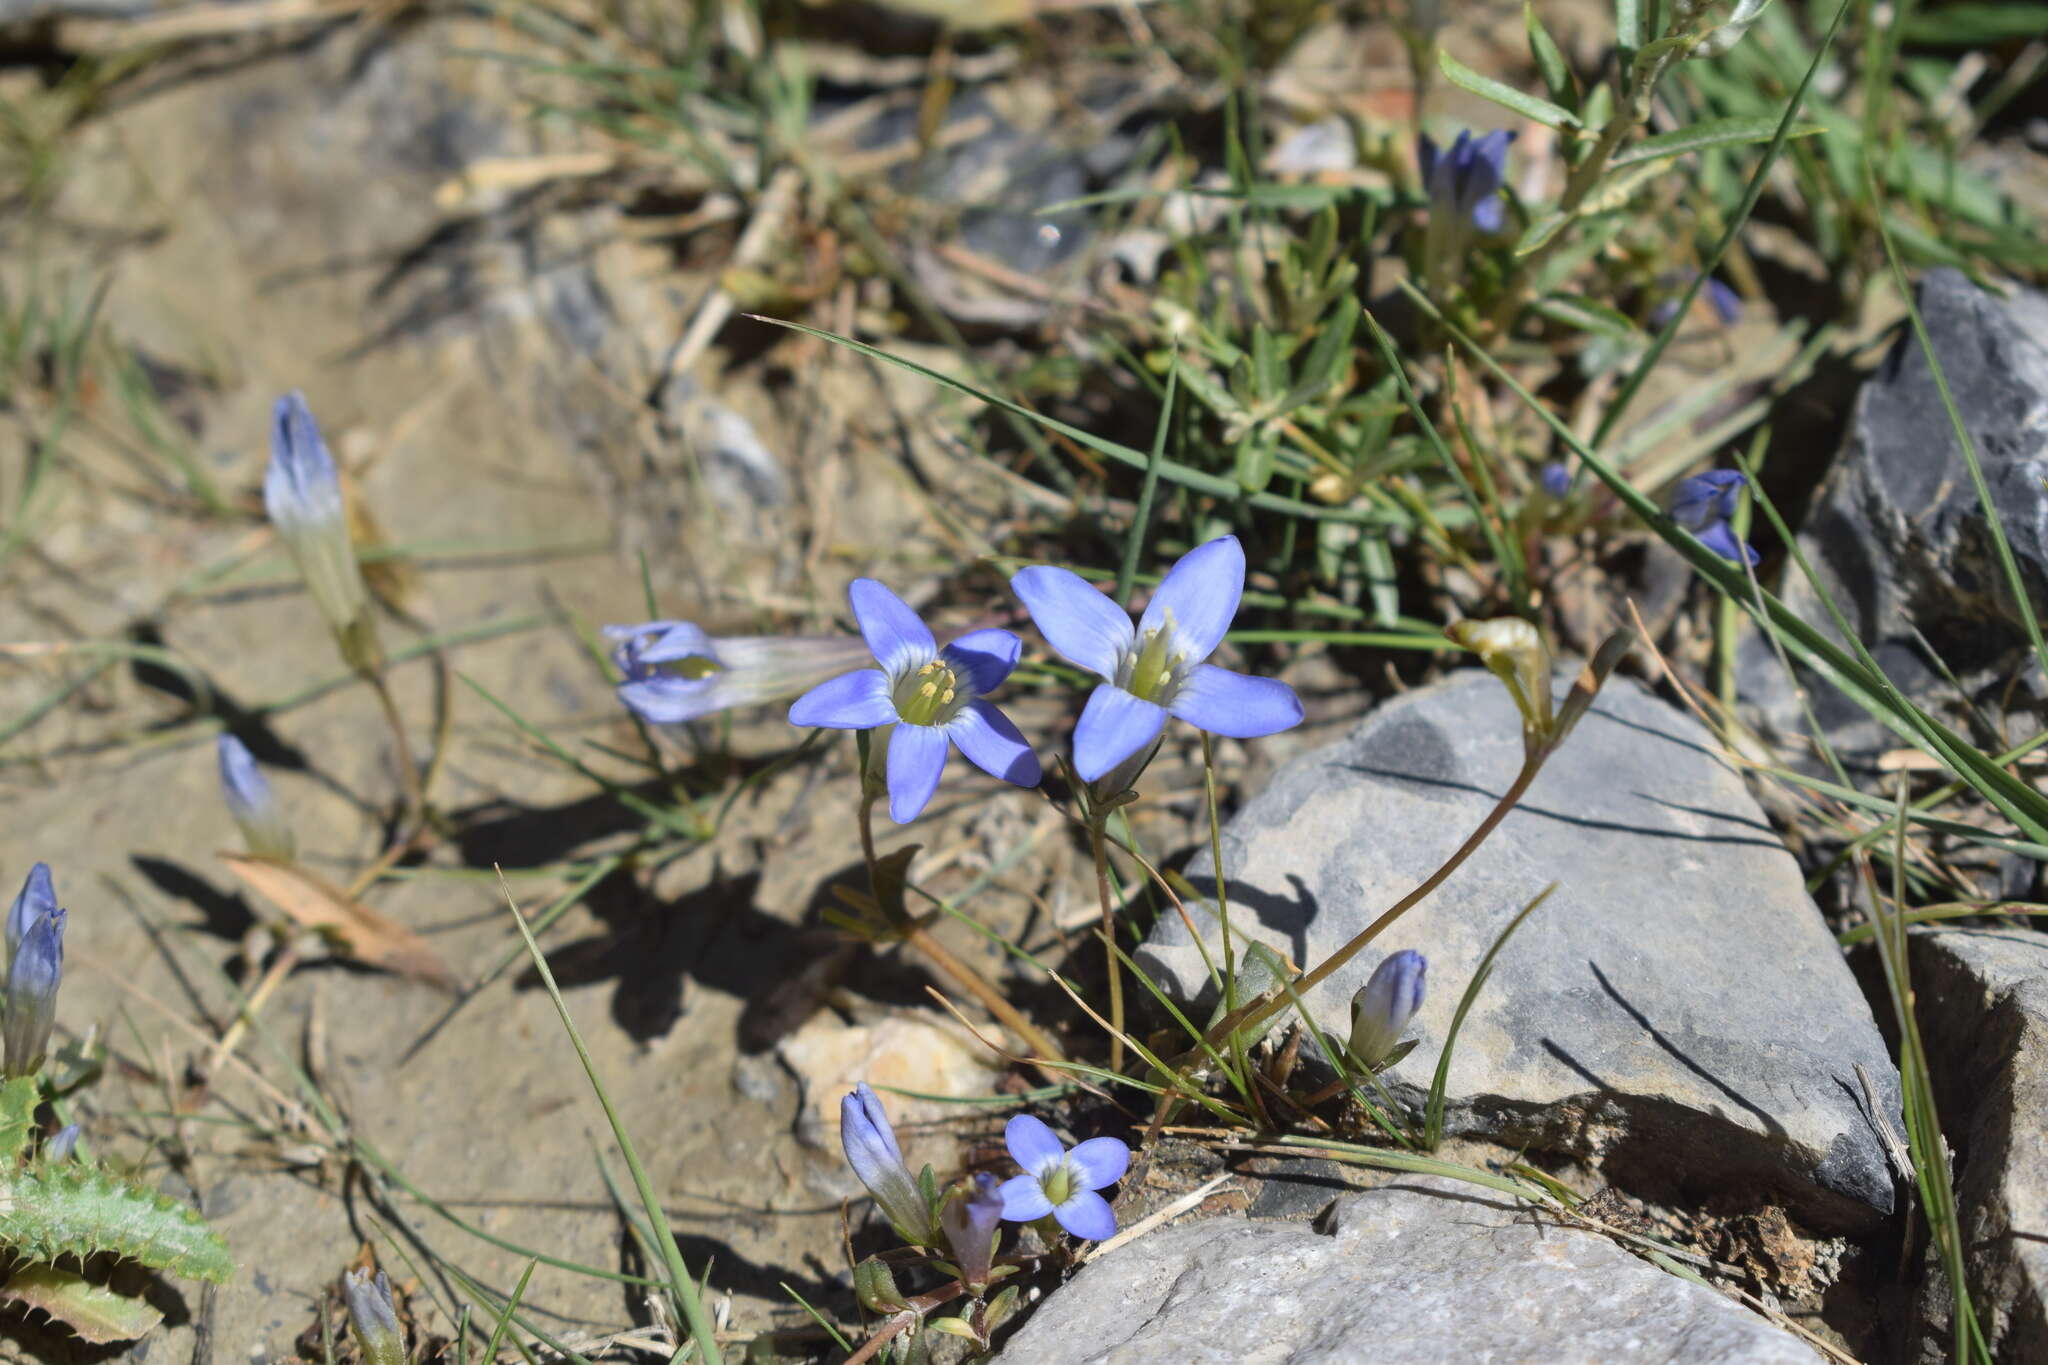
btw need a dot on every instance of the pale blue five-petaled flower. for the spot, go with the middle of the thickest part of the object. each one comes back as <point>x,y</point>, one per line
<point>1158,669</point>
<point>1060,1182</point>
<point>932,697</point>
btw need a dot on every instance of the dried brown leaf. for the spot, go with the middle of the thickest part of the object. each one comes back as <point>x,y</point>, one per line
<point>370,936</point>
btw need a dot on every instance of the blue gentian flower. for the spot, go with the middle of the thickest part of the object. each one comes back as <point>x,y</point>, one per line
<point>1704,503</point>
<point>1060,1182</point>
<point>1556,478</point>
<point>60,1147</point>
<point>1725,302</point>
<point>932,696</point>
<point>251,802</point>
<point>32,981</point>
<point>1157,670</point>
<point>373,1317</point>
<point>37,897</point>
<point>870,1146</point>
<point>675,672</point>
<point>1383,1006</point>
<point>1465,181</point>
<point>302,494</point>
<point>970,1220</point>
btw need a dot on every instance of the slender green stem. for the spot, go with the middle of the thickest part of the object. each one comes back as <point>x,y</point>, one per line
<point>680,1284</point>
<point>939,955</point>
<point>1222,883</point>
<point>1099,844</point>
<point>408,766</point>
<point>1259,1014</point>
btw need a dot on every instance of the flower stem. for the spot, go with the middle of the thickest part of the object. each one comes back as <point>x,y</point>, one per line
<point>1099,843</point>
<point>408,766</point>
<point>1258,1015</point>
<point>962,973</point>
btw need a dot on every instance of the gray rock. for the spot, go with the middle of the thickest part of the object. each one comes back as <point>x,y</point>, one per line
<point>1982,997</point>
<point>1677,1008</point>
<point>1896,533</point>
<point>1414,1273</point>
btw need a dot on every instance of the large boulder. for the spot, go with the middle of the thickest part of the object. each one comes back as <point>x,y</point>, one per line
<point>1677,1008</point>
<point>1414,1273</point>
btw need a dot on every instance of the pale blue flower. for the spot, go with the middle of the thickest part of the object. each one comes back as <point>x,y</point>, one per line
<point>1556,478</point>
<point>61,1147</point>
<point>32,981</point>
<point>675,672</point>
<point>37,897</point>
<point>1383,1006</point>
<point>1060,1182</point>
<point>1157,670</point>
<point>302,494</point>
<point>1704,503</point>
<point>251,802</point>
<point>870,1146</point>
<point>970,1220</point>
<point>1464,182</point>
<point>931,696</point>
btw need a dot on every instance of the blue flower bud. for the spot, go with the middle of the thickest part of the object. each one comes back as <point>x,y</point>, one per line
<point>870,1146</point>
<point>37,897</point>
<point>302,494</point>
<point>32,981</point>
<point>374,1318</point>
<point>970,1220</point>
<point>674,672</point>
<point>1556,478</point>
<point>249,799</point>
<point>60,1147</point>
<point>1464,182</point>
<point>1703,505</point>
<point>1383,1006</point>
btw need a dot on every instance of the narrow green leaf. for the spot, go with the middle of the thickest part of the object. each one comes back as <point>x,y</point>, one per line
<point>1550,63</point>
<point>1585,314</point>
<point>95,1312</point>
<point>1973,25</point>
<point>1527,105</point>
<point>1628,25</point>
<point>1433,1121</point>
<point>1719,132</point>
<point>1539,232</point>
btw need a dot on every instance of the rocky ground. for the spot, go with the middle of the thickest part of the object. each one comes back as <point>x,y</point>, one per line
<point>514,363</point>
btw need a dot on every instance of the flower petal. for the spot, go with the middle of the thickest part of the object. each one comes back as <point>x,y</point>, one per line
<point>1201,592</point>
<point>1074,617</point>
<point>917,756</point>
<point>1489,214</point>
<point>993,745</point>
<point>1706,498</point>
<point>1236,704</point>
<point>893,631</point>
<point>1087,1215</point>
<point>1032,1144</point>
<point>1114,725</point>
<point>1099,1162</point>
<point>1720,538</point>
<point>678,640</point>
<point>852,701</point>
<point>985,657</point>
<point>1024,1200</point>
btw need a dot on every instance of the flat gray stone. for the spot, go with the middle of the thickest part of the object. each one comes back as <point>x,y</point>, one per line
<point>1677,1008</point>
<point>1982,1001</point>
<point>1414,1273</point>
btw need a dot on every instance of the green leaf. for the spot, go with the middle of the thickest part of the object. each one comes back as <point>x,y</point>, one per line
<point>1975,24</point>
<point>1328,357</point>
<point>1628,24</point>
<point>1585,314</point>
<point>1719,132</point>
<point>70,1209</point>
<point>1529,106</point>
<point>1541,231</point>
<point>95,1312</point>
<point>1550,63</point>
